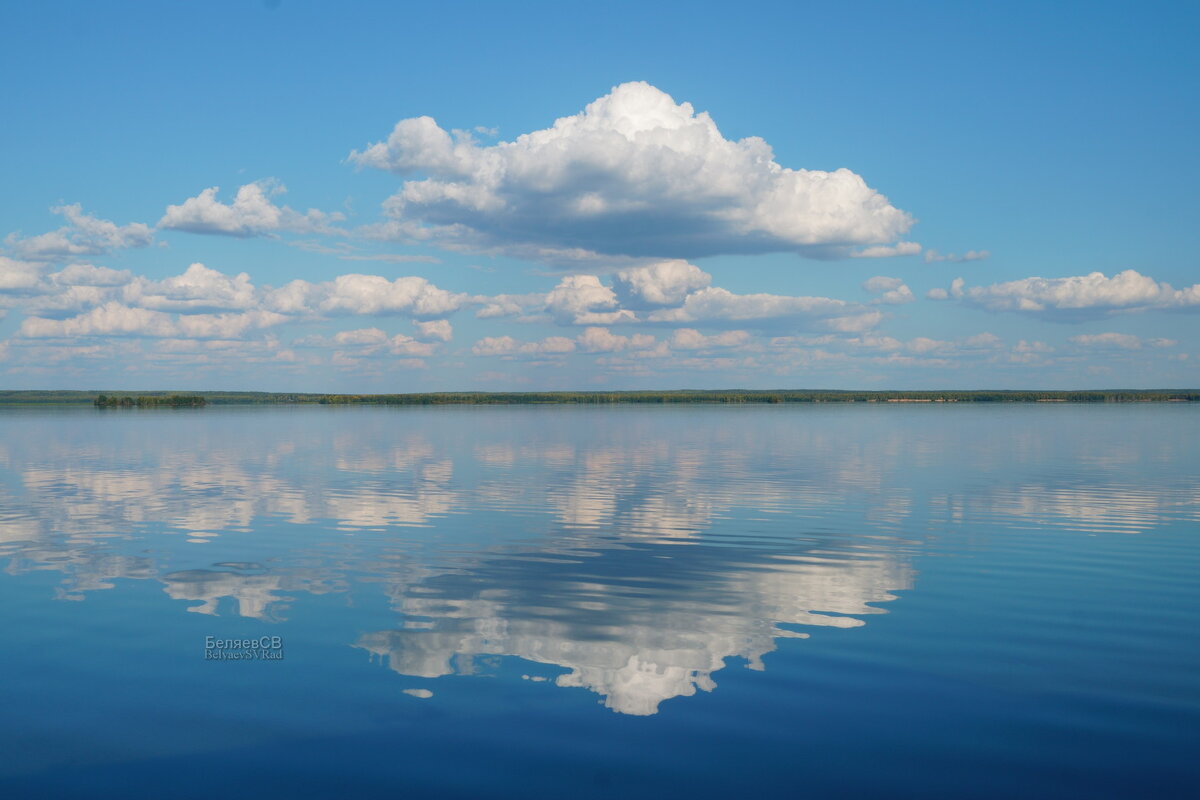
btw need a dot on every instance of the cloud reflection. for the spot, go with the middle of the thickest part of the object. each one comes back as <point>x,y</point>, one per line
<point>632,553</point>
<point>634,628</point>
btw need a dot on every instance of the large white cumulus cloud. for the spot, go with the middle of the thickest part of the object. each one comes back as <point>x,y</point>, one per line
<point>634,174</point>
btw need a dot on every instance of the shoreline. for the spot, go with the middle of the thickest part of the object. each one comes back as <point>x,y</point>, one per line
<point>176,399</point>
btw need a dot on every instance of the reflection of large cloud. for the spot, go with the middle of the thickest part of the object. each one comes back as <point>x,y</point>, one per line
<point>633,174</point>
<point>625,626</point>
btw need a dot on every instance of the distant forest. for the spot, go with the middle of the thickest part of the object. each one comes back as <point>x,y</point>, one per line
<point>146,401</point>
<point>153,399</point>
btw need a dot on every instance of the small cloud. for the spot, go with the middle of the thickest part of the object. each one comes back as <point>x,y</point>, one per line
<point>250,214</point>
<point>971,255</point>
<point>888,251</point>
<point>438,329</point>
<point>1120,341</point>
<point>508,346</point>
<point>83,235</point>
<point>664,283</point>
<point>691,339</point>
<point>890,290</point>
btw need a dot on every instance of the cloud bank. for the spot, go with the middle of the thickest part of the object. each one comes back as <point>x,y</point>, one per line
<point>1074,298</point>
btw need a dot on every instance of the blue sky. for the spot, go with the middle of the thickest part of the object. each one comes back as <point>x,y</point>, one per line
<point>754,195</point>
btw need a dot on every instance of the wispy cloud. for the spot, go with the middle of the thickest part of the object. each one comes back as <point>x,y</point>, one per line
<point>932,256</point>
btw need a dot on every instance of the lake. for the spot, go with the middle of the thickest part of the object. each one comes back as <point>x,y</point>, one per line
<point>860,600</point>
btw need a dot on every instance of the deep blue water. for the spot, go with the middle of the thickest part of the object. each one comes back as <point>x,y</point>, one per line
<point>793,601</point>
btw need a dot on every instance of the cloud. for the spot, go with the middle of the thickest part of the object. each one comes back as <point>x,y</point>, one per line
<point>364,342</point>
<point>882,283</point>
<point>602,340</point>
<point>971,255</point>
<point>365,294</point>
<point>1119,341</point>
<point>438,329</point>
<point>578,295</point>
<point>75,288</point>
<point>83,235</point>
<point>83,300</point>
<point>506,345</point>
<point>348,252</point>
<point>890,290</point>
<point>115,319</point>
<point>366,336</point>
<point>853,352</point>
<point>19,276</point>
<point>717,303</point>
<point>634,174</point>
<point>665,283</point>
<point>888,251</point>
<point>692,339</point>
<point>592,340</point>
<point>714,305</point>
<point>508,305</point>
<point>1027,347</point>
<point>199,289</point>
<point>91,275</point>
<point>576,300</point>
<point>250,214</point>
<point>1074,298</point>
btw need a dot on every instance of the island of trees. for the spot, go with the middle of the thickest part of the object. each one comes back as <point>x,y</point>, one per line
<point>153,399</point>
<point>150,401</point>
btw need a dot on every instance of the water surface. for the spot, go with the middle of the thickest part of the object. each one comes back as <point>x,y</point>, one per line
<point>864,600</point>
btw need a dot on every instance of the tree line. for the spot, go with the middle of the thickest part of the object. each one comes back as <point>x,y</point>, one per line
<point>720,396</point>
<point>150,401</point>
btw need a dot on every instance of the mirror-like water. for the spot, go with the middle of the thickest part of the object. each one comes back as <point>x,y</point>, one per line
<point>571,601</point>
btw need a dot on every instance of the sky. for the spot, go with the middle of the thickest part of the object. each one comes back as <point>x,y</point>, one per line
<point>382,197</point>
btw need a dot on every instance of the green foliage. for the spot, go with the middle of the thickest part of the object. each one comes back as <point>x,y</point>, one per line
<point>151,401</point>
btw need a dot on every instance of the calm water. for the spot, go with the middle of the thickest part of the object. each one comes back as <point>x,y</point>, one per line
<point>823,601</point>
